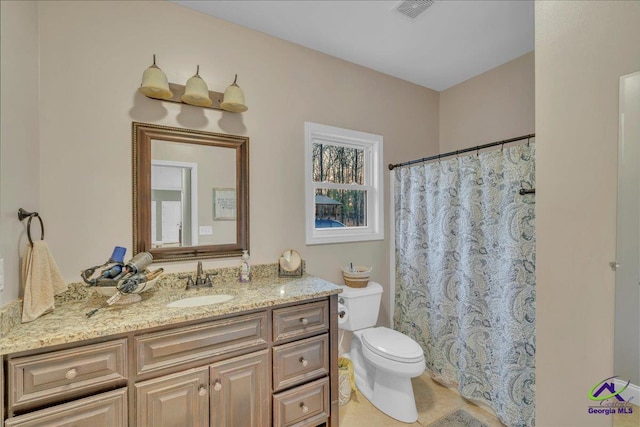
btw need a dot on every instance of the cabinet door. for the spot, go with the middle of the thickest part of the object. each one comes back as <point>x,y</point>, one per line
<point>175,400</point>
<point>240,391</point>
<point>106,409</point>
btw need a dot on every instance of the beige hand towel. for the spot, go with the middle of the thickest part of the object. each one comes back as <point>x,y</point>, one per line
<point>42,280</point>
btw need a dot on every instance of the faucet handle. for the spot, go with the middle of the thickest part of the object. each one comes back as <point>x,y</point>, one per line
<point>190,283</point>
<point>207,281</point>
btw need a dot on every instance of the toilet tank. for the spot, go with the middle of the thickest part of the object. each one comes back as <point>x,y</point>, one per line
<point>362,306</point>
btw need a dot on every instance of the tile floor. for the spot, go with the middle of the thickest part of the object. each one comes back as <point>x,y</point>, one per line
<point>435,401</point>
<point>627,420</point>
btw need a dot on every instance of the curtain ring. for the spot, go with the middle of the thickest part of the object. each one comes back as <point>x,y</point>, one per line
<point>528,141</point>
<point>478,151</point>
<point>502,148</point>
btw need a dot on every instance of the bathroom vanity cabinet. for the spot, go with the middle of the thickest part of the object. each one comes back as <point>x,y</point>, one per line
<point>271,366</point>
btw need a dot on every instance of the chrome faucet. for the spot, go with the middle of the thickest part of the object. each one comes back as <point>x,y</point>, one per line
<point>199,278</point>
<point>201,281</point>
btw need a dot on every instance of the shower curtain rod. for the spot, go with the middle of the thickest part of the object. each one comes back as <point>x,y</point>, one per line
<point>466,150</point>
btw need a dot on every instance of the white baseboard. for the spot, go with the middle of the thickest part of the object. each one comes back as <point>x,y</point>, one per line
<point>630,394</point>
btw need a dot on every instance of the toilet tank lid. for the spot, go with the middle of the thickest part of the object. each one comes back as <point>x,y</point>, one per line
<point>372,288</point>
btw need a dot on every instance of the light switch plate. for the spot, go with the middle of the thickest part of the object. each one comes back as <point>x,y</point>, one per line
<point>206,230</point>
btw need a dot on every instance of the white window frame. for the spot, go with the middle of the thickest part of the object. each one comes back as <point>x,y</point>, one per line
<point>372,146</point>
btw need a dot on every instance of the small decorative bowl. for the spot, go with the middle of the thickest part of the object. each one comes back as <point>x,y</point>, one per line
<point>358,277</point>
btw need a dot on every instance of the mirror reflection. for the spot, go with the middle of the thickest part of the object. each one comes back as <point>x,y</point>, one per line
<point>190,193</point>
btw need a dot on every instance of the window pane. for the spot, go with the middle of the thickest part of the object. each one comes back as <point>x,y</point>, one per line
<point>339,165</point>
<point>340,208</point>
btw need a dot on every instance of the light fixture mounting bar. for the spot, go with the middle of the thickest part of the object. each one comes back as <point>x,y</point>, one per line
<point>178,91</point>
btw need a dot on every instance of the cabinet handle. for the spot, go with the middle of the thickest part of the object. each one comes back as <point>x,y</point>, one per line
<point>304,362</point>
<point>71,374</point>
<point>304,321</point>
<point>217,386</point>
<point>202,391</point>
<point>304,408</point>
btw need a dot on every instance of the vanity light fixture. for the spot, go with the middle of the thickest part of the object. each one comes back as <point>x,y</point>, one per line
<point>196,91</point>
<point>234,98</point>
<point>155,85</point>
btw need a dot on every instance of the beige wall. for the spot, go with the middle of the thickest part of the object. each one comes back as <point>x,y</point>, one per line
<point>493,106</point>
<point>582,48</point>
<point>92,56</point>
<point>19,144</point>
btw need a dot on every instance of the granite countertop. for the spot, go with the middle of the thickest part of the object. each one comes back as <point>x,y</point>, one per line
<point>69,323</point>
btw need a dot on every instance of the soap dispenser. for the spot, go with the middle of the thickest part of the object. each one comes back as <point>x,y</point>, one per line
<point>245,268</point>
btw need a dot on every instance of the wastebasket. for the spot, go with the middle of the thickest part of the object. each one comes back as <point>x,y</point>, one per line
<point>346,383</point>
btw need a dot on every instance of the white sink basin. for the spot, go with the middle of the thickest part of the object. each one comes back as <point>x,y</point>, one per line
<point>198,301</point>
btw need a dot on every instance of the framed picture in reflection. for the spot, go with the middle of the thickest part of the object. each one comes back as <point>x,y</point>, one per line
<point>224,204</point>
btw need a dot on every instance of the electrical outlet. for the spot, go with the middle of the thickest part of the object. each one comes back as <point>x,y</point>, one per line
<point>1,274</point>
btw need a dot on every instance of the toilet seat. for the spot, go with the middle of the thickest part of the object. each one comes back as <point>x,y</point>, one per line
<point>392,345</point>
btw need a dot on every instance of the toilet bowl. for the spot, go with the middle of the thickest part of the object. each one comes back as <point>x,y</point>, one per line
<point>384,360</point>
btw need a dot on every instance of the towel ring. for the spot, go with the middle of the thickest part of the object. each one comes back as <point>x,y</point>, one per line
<point>22,214</point>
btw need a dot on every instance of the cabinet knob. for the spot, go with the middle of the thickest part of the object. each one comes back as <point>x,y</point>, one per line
<point>304,321</point>
<point>71,374</point>
<point>202,391</point>
<point>217,386</point>
<point>304,362</point>
<point>304,408</point>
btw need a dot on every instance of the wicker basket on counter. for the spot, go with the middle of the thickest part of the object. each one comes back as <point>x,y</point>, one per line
<point>356,277</point>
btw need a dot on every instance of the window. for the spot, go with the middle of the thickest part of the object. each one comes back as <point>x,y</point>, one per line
<point>343,175</point>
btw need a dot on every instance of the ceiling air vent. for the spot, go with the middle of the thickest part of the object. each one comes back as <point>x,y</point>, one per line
<point>412,8</point>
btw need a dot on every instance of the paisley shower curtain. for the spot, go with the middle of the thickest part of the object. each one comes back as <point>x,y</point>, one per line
<point>465,274</point>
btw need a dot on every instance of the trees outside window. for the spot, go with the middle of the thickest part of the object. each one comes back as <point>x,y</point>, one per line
<point>344,186</point>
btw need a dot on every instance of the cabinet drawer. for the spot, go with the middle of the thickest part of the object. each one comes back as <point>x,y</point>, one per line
<point>62,374</point>
<point>300,361</point>
<point>304,405</point>
<point>160,350</point>
<point>106,409</point>
<point>300,320</point>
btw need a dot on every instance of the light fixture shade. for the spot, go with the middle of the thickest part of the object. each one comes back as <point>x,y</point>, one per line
<point>155,83</point>
<point>196,91</point>
<point>234,99</point>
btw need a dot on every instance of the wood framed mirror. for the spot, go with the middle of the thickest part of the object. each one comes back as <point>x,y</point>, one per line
<point>190,193</point>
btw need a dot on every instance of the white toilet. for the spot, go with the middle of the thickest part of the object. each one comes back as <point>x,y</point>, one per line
<point>384,360</point>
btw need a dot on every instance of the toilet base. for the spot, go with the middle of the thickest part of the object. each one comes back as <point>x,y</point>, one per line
<point>390,392</point>
<point>392,395</point>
